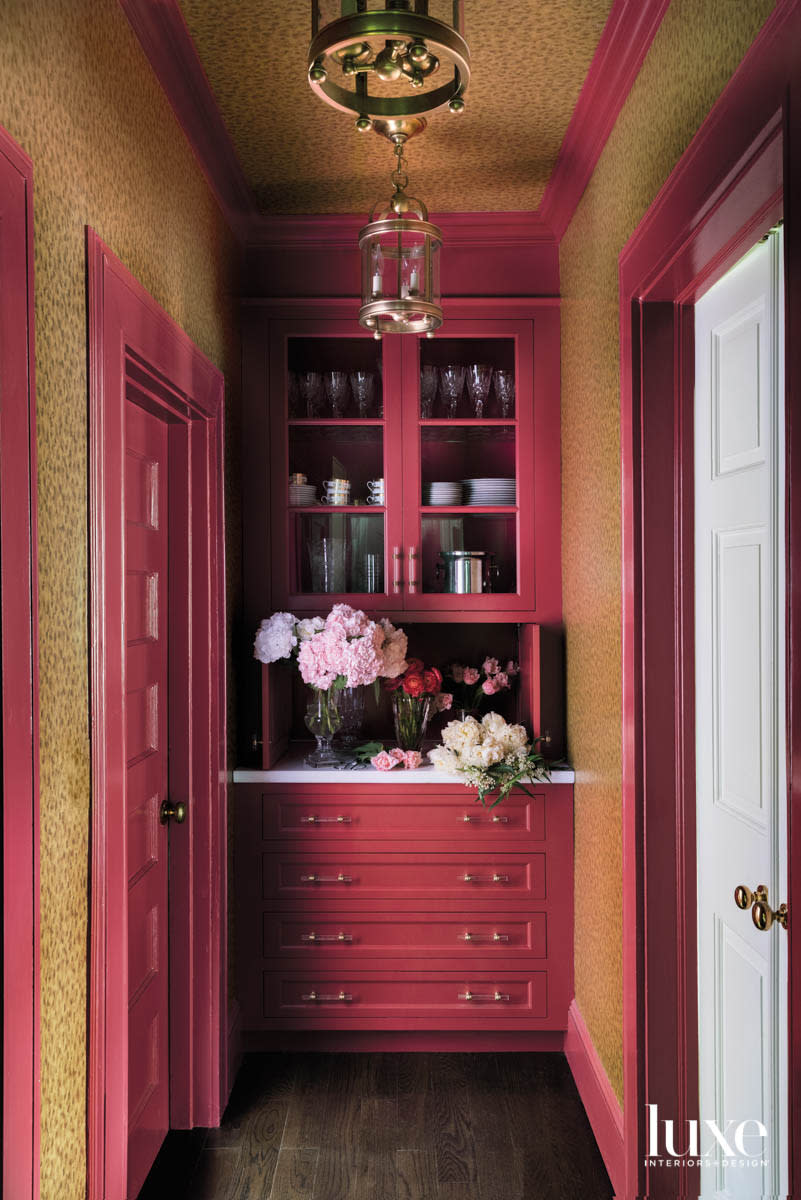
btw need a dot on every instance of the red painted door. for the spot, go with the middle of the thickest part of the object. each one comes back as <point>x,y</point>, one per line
<point>146,528</point>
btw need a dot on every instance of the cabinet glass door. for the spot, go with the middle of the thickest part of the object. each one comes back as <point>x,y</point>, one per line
<point>336,485</point>
<point>468,468</point>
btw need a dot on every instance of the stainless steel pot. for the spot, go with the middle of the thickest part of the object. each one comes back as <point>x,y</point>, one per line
<point>464,571</point>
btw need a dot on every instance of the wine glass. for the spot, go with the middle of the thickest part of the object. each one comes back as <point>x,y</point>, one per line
<point>479,378</point>
<point>451,381</point>
<point>505,390</point>
<point>310,386</point>
<point>336,390</point>
<point>428,391</point>
<point>363,385</point>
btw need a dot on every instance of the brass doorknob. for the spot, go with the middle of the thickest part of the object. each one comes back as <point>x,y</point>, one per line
<point>763,915</point>
<point>744,898</point>
<point>172,812</point>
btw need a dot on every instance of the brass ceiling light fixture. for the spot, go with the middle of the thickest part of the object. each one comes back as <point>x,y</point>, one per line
<point>400,253</point>
<point>405,51</point>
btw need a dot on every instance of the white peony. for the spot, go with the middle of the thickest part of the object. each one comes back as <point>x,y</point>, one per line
<point>445,759</point>
<point>307,628</point>
<point>275,638</point>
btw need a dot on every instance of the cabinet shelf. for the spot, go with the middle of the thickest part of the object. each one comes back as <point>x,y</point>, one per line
<point>473,509</point>
<point>362,510</point>
<point>489,422</point>
<point>339,422</point>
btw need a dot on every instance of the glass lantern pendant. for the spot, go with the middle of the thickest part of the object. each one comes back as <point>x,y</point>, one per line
<point>400,251</point>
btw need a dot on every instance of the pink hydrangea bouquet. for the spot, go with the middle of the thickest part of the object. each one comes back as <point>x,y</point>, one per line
<point>489,755</point>
<point>346,649</point>
<point>471,686</point>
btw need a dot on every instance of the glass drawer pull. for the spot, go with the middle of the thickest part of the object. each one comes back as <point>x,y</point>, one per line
<point>321,998</point>
<point>481,937</point>
<point>315,820</point>
<point>468,878</point>
<point>484,996</point>
<point>498,820</point>
<point>326,937</point>
<point>326,878</point>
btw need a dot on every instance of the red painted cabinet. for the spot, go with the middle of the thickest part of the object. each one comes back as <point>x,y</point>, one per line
<point>404,907</point>
<point>325,402</point>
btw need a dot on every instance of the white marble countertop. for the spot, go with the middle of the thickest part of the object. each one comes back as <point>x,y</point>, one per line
<point>292,769</point>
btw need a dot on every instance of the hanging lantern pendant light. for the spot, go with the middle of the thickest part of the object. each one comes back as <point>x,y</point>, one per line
<point>400,251</point>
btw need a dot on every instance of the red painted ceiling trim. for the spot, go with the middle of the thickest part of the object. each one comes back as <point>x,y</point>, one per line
<point>627,35</point>
<point>167,43</point>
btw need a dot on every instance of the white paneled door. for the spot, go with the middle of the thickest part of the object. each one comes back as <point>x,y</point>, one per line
<point>740,727</point>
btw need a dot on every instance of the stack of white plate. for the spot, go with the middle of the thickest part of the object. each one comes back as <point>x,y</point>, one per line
<point>442,493</point>
<point>488,492</point>
<point>301,495</point>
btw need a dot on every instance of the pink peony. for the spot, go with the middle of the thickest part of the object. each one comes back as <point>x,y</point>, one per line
<point>490,666</point>
<point>412,759</point>
<point>488,687</point>
<point>384,761</point>
<point>512,668</point>
<point>442,702</point>
<point>501,681</point>
<point>471,675</point>
<point>394,650</point>
<point>457,673</point>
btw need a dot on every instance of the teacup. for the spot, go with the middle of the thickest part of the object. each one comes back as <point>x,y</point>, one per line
<point>336,491</point>
<point>297,478</point>
<point>375,491</point>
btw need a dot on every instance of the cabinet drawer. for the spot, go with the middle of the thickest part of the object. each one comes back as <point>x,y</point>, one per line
<point>458,820</point>
<point>360,995</point>
<point>299,876</point>
<point>322,937</point>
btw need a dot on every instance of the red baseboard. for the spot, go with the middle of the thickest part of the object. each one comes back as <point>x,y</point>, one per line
<point>375,1041</point>
<point>600,1102</point>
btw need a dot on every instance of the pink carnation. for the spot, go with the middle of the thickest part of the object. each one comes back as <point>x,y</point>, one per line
<point>397,754</point>
<point>488,687</point>
<point>457,673</point>
<point>442,702</point>
<point>490,666</point>
<point>412,759</point>
<point>384,761</point>
<point>471,675</point>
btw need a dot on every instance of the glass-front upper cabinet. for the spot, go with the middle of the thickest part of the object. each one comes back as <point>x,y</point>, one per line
<point>418,476</point>
<point>335,486</point>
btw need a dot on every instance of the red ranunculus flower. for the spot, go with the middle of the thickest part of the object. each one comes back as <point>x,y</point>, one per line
<point>413,684</point>
<point>414,666</point>
<point>392,685</point>
<point>432,681</point>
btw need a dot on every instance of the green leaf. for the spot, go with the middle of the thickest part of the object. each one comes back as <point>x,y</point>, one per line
<point>367,751</point>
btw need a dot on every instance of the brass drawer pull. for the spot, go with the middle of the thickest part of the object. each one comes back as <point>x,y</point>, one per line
<point>320,998</point>
<point>501,996</point>
<point>482,937</point>
<point>315,820</point>
<point>326,878</point>
<point>326,937</point>
<point>468,878</point>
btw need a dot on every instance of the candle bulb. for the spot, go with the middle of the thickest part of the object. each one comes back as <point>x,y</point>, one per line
<point>376,285</point>
<point>414,282</point>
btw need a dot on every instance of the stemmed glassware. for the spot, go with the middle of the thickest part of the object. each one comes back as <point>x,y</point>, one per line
<point>505,390</point>
<point>428,391</point>
<point>363,385</point>
<point>310,386</point>
<point>451,380</point>
<point>479,378</point>
<point>336,390</point>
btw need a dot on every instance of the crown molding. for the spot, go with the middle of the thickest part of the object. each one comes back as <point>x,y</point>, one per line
<point>160,27</point>
<point>624,43</point>
<point>339,230</point>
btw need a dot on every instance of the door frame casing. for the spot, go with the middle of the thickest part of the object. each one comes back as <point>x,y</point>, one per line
<point>734,181</point>
<point>134,344</point>
<point>20,682</point>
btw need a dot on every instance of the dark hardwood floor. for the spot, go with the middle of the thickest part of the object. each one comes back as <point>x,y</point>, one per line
<point>390,1127</point>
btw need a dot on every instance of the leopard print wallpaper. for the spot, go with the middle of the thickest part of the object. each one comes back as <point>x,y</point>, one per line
<point>301,156</point>
<point>78,95</point>
<point>690,60</point>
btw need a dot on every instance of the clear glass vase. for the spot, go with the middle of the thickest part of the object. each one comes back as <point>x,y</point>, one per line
<point>351,710</point>
<point>411,715</point>
<point>323,719</point>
